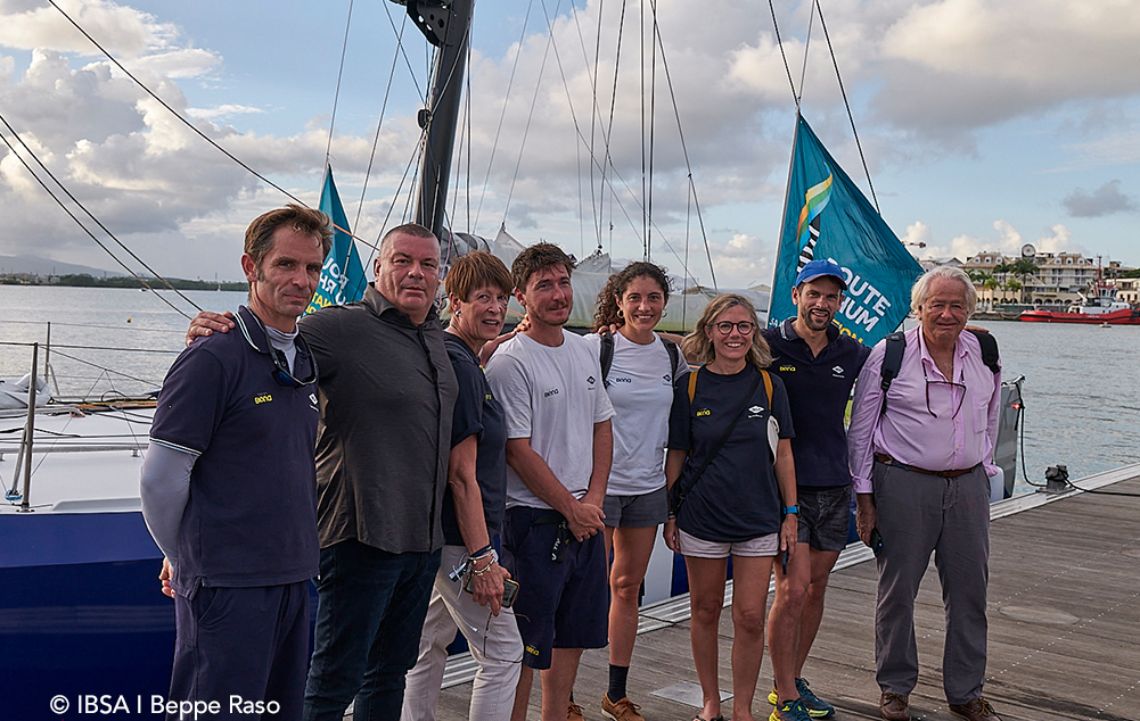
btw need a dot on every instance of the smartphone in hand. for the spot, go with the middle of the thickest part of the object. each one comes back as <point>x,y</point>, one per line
<point>876,542</point>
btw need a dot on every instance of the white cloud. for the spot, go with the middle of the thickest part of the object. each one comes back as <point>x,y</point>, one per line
<point>222,111</point>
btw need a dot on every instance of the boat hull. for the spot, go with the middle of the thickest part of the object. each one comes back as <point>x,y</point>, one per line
<point>1125,316</point>
<point>81,610</point>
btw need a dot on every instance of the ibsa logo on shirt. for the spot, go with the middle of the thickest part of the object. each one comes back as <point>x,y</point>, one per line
<point>551,392</point>
<point>703,412</point>
<point>788,368</point>
<point>261,398</point>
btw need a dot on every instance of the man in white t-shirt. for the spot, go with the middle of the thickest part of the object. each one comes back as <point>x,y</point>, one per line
<point>559,449</point>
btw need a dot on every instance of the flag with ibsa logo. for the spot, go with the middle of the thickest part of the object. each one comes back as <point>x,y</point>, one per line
<point>342,277</point>
<point>827,216</point>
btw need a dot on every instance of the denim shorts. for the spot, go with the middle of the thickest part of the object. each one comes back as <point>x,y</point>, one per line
<point>826,514</point>
<point>642,511</point>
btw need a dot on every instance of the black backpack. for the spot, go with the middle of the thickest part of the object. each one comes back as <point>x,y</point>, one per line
<point>896,346</point>
<point>606,355</point>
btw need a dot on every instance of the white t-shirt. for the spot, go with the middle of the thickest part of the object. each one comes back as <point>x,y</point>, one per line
<point>641,390</point>
<point>553,396</point>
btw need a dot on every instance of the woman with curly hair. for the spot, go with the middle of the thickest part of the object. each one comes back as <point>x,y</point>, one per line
<point>638,367</point>
<point>733,493</point>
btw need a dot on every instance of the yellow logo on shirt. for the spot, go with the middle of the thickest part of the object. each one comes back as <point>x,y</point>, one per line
<point>787,369</point>
<point>262,398</point>
<point>703,412</point>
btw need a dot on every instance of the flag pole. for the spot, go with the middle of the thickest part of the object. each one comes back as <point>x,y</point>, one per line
<point>784,217</point>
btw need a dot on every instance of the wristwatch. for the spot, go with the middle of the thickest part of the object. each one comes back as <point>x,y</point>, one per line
<point>791,510</point>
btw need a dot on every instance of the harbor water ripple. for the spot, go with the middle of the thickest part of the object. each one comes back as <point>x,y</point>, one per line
<point>1082,387</point>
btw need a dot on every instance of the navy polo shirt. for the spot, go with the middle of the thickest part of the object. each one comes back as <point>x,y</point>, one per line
<point>477,412</point>
<point>736,498</point>
<point>251,517</point>
<point>818,388</point>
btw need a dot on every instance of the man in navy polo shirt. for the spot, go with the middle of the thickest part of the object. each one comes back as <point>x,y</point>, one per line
<point>228,485</point>
<point>818,366</point>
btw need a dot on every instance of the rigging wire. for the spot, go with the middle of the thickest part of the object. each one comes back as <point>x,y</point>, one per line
<point>846,104</point>
<point>807,46</point>
<point>783,55</point>
<point>594,114</point>
<point>608,161</point>
<point>339,75</point>
<point>194,129</point>
<point>88,213</point>
<point>652,126</point>
<point>172,111</point>
<point>503,113</point>
<point>641,70</point>
<point>530,115</point>
<point>685,152</point>
<point>380,122</point>
<point>86,230</point>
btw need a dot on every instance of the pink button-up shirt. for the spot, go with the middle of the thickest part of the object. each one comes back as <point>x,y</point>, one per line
<point>960,435</point>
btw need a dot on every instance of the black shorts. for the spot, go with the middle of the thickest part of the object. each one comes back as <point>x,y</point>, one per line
<point>826,515</point>
<point>563,603</point>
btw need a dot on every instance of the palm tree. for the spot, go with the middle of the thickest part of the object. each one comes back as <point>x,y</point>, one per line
<point>990,283</point>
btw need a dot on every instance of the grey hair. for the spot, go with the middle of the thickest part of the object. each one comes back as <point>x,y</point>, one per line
<point>921,287</point>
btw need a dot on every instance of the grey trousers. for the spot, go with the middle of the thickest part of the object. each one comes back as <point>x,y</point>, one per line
<point>919,514</point>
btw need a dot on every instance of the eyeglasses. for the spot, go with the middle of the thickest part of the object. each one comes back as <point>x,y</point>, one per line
<point>951,386</point>
<point>281,372</point>
<point>744,327</point>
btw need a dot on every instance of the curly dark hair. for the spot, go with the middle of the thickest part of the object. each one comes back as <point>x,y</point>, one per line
<point>606,313</point>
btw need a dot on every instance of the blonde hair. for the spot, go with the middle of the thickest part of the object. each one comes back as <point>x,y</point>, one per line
<point>698,348</point>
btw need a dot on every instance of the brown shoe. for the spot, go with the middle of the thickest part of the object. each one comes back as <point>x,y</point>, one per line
<point>894,706</point>
<point>978,709</point>
<point>623,710</point>
<point>574,713</point>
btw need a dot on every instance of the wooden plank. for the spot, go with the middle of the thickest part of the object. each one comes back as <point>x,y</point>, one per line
<point>1068,557</point>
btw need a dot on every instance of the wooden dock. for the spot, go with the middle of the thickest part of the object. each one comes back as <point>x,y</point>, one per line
<point>1064,635</point>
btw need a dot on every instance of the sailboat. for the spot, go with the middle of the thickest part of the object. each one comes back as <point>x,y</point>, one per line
<point>80,609</point>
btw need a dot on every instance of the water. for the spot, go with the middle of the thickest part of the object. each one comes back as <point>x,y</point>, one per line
<point>1082,389</point>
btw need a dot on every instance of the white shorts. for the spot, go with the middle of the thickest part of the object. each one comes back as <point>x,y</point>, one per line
<point>768,545</point>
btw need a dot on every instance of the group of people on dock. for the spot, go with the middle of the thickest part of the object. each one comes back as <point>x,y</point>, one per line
<point>511,486</point>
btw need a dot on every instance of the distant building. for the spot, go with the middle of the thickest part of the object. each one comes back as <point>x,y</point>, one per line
<point>1059,278</point>
<point>1128,290</point>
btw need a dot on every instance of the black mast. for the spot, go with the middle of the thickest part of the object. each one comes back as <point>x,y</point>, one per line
<point>446,24</point>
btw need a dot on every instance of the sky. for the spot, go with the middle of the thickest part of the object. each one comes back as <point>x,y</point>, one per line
<point>984,125</point>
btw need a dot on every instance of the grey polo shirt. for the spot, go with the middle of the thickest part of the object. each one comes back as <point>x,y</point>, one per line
<point>387,391</point>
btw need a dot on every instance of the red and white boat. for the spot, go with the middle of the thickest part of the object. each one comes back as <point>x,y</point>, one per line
<point>1102,309</point>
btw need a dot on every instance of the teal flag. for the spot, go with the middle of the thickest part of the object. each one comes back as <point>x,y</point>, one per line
<point>342,277</point>
<point>826,216</point>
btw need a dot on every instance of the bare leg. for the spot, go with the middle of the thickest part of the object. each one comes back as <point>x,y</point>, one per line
<point>632,547</point>
<point>784,623</point>
<point>558,682</point>
<point>522,694</point>
<point>821,564</point>
<point>749,600</point>
<point>706,590</point>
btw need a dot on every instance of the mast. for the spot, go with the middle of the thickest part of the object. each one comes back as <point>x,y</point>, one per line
<point>445,24</point>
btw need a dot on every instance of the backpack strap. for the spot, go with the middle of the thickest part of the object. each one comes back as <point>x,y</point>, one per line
<point>768,388</point>
<point>674,356</point>
<point>606,355</point>
<point>892,362</point>
<point>989,346</point>
<point>693,383</point>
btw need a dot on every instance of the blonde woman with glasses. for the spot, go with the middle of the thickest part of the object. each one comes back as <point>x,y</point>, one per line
<point>732,486</point>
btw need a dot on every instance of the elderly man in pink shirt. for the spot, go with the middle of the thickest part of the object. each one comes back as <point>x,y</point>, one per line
<point>920,466</point>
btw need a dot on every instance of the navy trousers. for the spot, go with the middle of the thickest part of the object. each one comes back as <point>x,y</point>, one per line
<point>247,642</point>
<point>370,612</point>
